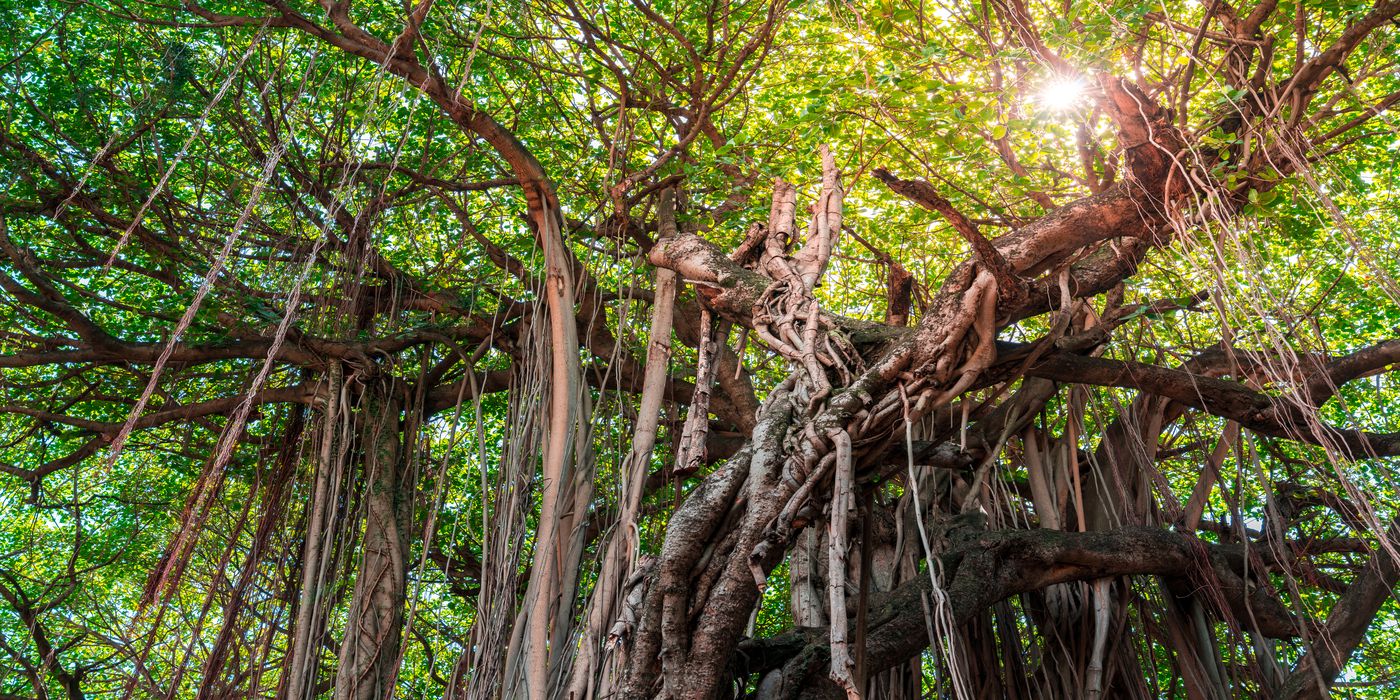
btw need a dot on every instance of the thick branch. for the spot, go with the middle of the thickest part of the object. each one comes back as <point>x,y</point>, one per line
<point>991,566</point>
<point>1251,409</point>
<point>1346,627</point>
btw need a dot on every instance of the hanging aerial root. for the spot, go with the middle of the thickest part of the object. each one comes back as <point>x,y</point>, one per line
<point>1093,684</point>
<point>842,500</point>
<point>691,452</point>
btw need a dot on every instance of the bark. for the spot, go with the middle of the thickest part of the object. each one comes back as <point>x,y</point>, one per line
<point>984,567</point>
<point>369,654</point>
<point>842,503</point>
<point>556,472</point>
<point>320,532</point>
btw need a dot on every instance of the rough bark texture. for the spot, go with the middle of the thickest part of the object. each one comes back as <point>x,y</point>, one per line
<point>369,655</point>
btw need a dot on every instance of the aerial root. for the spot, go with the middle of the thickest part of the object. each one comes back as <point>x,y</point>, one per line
<point>842,502</point>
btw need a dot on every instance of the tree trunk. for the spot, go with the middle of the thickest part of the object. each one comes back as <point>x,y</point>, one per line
<point>369,654</point>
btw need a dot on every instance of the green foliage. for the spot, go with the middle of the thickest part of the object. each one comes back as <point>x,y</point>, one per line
<point>158,129</point>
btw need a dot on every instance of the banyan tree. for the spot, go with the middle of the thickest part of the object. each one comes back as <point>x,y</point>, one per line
<point>689,350</point>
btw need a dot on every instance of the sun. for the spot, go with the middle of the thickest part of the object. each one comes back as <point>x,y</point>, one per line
<point>1061,93</point>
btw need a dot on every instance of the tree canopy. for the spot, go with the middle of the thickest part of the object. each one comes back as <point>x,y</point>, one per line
<point>724,348</point>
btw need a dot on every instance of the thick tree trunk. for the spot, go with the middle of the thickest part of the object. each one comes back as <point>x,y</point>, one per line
<point>369,654</point>
<point>726,538</point>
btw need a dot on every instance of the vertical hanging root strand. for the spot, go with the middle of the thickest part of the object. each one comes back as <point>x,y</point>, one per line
<point>620,555</point>
<point>1046,507</point>
<point>842,665</point>
<point>561,416</point>
<point>313,567</point>
<point>1093,684</point>
<point>942,633</point>
<point>697,422</point>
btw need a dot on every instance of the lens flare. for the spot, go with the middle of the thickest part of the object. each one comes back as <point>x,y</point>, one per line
<point>1061,94</point>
